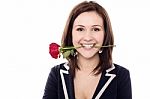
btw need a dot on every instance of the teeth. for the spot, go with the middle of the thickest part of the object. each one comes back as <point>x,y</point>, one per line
<point>88,45</point>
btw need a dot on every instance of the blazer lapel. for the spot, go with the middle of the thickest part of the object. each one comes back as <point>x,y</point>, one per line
<point>107,82</point>
<point>67,83</point>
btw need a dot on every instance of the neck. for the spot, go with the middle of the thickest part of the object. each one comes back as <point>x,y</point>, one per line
<point>88,64</point>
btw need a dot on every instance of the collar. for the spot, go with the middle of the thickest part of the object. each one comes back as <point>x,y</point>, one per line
<point>65,73</point>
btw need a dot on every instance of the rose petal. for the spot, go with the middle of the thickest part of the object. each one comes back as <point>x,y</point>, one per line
<point>54,50</point>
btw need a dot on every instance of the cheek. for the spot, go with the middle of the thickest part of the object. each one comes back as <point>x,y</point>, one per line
<point>100,38</point>
<point>75,38</point>
<point>75,41</point>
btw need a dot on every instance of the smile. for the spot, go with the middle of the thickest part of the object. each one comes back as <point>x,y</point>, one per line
<point>88,45</point>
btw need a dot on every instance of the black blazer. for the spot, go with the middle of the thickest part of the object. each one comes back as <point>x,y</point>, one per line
<point>114,83</point>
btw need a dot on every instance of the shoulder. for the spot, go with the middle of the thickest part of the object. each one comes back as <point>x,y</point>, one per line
<point>120,69</point>
<point>122,74</point>
<point>51,88</point>
<point>63,66</point>
<point>123,82</point>
<point>55,72</point>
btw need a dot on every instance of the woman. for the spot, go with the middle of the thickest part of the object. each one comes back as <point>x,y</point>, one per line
<point>90,72</point>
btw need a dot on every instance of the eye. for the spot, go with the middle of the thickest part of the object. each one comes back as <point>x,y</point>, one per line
<point>80,29</point>
<point>96,29</point>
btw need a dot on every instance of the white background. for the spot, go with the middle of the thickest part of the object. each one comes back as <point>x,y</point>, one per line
<point>27,27</point>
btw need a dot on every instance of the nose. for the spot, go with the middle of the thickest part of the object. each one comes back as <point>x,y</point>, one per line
<point>88,36</point>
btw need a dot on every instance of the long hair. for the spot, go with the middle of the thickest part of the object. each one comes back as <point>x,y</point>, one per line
<point>106,55</point>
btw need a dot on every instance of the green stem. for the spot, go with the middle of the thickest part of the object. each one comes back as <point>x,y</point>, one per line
<point>67,48</point>
<point>105,46</point>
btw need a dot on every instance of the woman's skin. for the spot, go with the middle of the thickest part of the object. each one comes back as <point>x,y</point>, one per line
<point>88,31</point>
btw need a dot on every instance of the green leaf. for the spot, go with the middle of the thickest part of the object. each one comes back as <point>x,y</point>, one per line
<point>66,54</point>
<point>72,52</point>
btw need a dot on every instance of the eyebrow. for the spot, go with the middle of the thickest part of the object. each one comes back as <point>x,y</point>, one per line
<point>92,26</point>
<point>97,25</point>
<point>79,25</point>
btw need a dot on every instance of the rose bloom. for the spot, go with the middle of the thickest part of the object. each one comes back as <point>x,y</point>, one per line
<point>54,50</point>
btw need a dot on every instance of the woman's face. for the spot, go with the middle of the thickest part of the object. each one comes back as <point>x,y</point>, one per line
<point>88,31</point>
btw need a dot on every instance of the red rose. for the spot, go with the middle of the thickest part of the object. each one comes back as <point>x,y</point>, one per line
<point>54,50</point>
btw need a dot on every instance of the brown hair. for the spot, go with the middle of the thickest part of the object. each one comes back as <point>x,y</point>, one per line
<point>106,55</point>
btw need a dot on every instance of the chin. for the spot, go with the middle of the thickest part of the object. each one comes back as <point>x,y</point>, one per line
<point>89,56</point>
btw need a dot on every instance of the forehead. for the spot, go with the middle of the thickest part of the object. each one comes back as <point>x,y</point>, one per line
<point>89,18</point>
